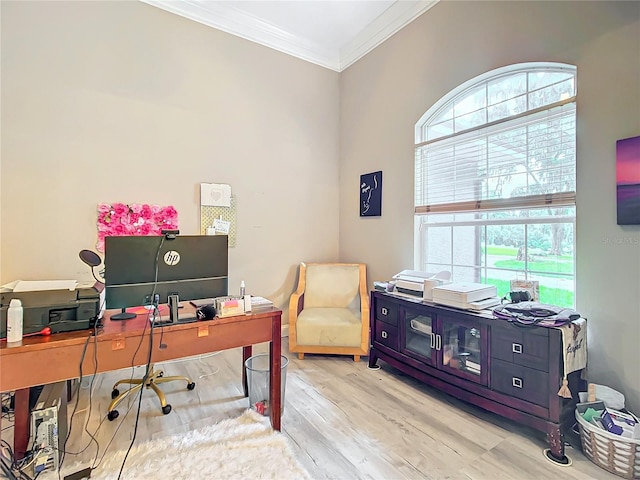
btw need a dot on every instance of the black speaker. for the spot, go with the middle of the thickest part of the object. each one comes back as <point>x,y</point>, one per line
<point>206,312</point>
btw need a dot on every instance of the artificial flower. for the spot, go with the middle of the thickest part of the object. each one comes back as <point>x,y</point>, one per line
<point>133,219</point>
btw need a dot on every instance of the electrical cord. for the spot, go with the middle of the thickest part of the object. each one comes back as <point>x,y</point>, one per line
<point>7,411</point>
<point>90,402</point>
<point>7,470</point>
<point>106,449</point>
<point>93,439</point>
<point>148,369</point>
<point>144,380</point>
<point>64,446</point>
<point>13,465</point>
<point>95,371</point>
<point>200,358</point>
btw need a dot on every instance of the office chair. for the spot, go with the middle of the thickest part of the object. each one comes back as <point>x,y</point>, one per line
<point>155,377</point>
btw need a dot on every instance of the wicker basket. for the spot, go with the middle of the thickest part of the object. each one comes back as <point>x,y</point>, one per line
<point>616,454</point>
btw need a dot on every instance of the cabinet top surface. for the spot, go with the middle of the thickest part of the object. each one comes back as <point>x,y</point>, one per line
<point>403,298</point>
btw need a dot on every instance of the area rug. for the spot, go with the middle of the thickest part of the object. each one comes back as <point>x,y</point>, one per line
<point>241,448</point>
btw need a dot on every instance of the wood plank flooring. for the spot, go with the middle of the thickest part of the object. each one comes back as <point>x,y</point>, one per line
<point>344,421</point>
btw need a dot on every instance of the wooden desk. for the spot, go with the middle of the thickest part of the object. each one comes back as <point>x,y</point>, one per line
<point>41,360</point>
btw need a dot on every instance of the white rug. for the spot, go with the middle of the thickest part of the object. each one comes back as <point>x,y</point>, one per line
<point>241,448</point>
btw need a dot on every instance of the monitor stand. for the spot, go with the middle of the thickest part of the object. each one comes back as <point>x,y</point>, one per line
<point>123,315</point>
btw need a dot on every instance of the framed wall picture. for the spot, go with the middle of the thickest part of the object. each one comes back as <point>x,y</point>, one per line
<point>371,194</point>
<point>628,181</point>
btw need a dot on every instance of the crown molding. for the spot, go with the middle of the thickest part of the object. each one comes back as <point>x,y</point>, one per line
<point>250,27</point>
<point>242,24</point>
<point>389,22</point>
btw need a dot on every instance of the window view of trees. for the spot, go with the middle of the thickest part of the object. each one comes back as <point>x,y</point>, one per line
<point>508,138</point>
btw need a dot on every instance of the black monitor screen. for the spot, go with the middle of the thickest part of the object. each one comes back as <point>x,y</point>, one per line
<point>138,267</point>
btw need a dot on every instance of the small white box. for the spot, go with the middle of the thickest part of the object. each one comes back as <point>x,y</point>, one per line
<point>429,285</point>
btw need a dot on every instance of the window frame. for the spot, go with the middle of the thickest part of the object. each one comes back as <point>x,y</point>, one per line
<point>559,199</point>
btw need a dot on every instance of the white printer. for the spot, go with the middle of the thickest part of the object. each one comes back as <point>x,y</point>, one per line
<point>412,282</point>
<point>471,296</point>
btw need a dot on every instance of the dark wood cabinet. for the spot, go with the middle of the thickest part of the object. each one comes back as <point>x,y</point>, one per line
<point>511,371</point>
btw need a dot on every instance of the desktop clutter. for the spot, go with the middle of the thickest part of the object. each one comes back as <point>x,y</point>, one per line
<point>230,305</point>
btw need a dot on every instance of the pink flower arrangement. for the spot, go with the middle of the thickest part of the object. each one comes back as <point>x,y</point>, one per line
<point>135,219</point>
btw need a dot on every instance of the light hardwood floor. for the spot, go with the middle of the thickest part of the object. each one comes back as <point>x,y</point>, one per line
<point>344,421</point>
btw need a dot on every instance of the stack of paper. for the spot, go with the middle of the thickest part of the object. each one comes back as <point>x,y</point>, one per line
<point>260,303</point>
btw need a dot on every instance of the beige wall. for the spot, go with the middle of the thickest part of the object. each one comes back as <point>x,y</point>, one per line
<point>123,102</point>
<point>115,101</point>
<point>385,94</point>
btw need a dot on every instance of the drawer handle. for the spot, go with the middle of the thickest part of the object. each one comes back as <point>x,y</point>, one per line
<point>516,382</point>
<point>384,311</point>
<point>516,348</point>
<point>433,341</point>
<point>384,334</point>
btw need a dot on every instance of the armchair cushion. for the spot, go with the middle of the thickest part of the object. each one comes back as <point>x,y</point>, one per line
<point>329,327</point>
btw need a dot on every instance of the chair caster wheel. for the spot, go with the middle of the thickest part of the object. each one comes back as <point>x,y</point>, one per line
<point>115,392</point>
<point>191,386</point>
<point>112,415</point>
<point>160,374</point>
<point>166,409</point>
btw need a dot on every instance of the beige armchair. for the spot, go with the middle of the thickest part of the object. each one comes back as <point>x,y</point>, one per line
<point>329,311</point>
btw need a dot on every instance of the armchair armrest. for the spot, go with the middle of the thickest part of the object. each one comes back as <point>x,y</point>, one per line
<point>296,302</point>
<point>364,307</point>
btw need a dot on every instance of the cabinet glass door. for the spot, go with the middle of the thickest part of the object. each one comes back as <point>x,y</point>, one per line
<point>464,349</point>
<point>419,336</point>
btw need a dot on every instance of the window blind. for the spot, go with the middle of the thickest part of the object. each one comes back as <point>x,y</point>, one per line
<point>524,162</point>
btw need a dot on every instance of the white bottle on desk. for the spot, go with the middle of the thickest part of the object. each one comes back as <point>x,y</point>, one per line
<point>14,321</point>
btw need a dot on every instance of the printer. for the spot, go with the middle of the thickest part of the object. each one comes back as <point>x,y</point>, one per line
<point>60,305</point>
<point>466,295</point>
<point>412,282</point>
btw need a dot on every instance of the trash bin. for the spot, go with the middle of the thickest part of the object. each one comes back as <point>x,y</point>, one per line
<point>258,382</point>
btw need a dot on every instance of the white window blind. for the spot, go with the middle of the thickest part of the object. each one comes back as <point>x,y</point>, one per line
<point>526,161</point>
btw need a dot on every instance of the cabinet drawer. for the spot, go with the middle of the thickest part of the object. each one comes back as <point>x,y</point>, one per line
<point>387,312</point>
<point>526,347</point>
<point>520,382</point>
<point>386,334</point>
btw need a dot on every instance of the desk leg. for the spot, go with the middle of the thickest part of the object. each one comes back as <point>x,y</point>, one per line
<point>246,353</point>
<point>275,373</point>
<point>21,423</point>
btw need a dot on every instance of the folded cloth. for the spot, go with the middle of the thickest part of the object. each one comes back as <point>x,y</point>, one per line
<point>574,351</point>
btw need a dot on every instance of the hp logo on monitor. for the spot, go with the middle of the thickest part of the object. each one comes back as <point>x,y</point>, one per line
<point>171,258</point>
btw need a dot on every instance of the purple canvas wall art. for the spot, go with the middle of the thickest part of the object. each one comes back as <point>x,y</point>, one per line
<point>628,180</point>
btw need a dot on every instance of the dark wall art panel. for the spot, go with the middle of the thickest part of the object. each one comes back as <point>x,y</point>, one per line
<point>371,194</point>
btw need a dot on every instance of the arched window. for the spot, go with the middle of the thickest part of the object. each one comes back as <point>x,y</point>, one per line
<point>495,181</point>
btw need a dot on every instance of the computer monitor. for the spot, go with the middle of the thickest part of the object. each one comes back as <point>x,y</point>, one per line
<point>137,268</point>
